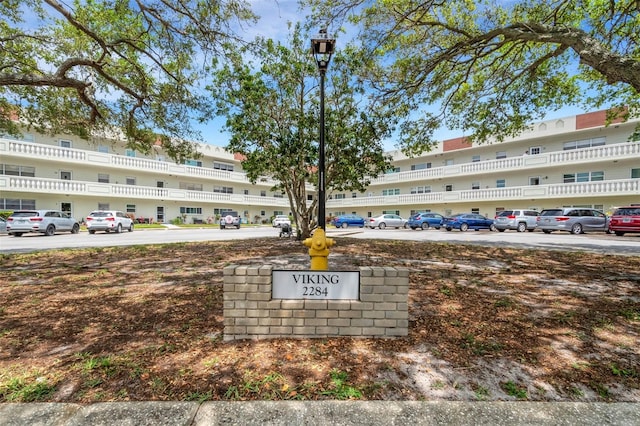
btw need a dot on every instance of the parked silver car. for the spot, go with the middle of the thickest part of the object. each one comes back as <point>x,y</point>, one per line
<point>575,220</point>
<point>384,220</point>
<point>47,222</point>
<point>3,225</point>
<point>517,219</point>
<point>108,220</point>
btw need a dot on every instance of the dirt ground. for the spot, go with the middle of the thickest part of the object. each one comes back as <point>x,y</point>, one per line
<point>146,323</point>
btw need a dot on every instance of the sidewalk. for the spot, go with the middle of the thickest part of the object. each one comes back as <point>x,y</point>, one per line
<point>405,413</point>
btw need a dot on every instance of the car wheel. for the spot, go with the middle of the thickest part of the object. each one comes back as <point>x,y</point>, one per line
<point>91,231</point>
<point>131,227</point>
<point>221,226</point>
<point>119,228</point>
<point>17,234</point>
<point>425,226</point>
<point>75,229</point>
<point>344,225</point>
<point>500,230</point>
<point>50,230</point>
<point>576,229</point>
<point>464,227</point>
<point>382,225</point>
<point>619,233</point>
<point>522,227</point>
<point>546,231</point>
<point>492,228</point>
<point>448,229</point>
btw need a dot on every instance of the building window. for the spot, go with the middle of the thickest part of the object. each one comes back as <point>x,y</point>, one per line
<point>129,152</point>
<point>354,195</point>
<point>191,186</point>
<point>103,148</point>
<point>340,196</point>
<point>475,210</point>
<point>448,188</point>
<point>103,178</point>
<point>65,175</point>
<point>421,166</point>
<point>245,192</point>
<point>223,166</point>
<point>130,181</point>
<point>448,162</point>
<point>190,210</point>
<point>635,173</point>
<point>17,204</point>
<point>584,143</point>
<point>583,177</point>
<point>131,208</point>
<point>194,163</point>
<point>501,154</point>
<point>65,143</point>
<point>475,159</point>
<point>534,150</point>
<point>223,189</point>
<point>15,170</point>
<point>534,180</point>
<point>103,206</point>
<point>263,193</point>
<point>387,192</point>
<point>501,183</point>
<point>475,185</point>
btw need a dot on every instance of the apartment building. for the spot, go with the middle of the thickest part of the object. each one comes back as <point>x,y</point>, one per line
<point>570,161</point>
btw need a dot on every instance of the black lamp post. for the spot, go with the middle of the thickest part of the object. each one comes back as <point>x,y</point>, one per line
<point>322,47</point>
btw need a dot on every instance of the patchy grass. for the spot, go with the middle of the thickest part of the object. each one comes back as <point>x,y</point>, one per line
<point>146,323</point>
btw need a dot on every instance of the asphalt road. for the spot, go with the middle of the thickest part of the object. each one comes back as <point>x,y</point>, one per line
<point>596,242</point>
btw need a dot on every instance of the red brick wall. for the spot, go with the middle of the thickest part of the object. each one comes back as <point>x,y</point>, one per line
<point>457,143</point>
<point>594,119</point>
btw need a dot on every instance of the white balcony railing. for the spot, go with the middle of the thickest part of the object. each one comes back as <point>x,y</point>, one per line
<point>102,190</point>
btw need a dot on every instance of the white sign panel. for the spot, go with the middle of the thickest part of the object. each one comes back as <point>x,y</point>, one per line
<point>324,285</point>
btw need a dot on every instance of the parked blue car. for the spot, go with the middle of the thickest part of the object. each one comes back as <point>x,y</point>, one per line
<point>348,220</point>
<point>465,221</point>
<point>425,221</point>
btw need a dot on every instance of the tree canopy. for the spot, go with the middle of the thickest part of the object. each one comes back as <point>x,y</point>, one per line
<point>491,68</point>
<point>270,97</point>
<point>93,66</point>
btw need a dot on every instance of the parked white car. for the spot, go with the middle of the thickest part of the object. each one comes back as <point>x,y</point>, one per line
<point>280,220</point>
<point>47,222</point>
<point>108,221</point>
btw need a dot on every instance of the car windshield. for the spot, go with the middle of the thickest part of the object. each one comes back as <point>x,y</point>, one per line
<point>505,213</point>
<point>25,214</point>
<point>557,212</point>
<point>627,212</point>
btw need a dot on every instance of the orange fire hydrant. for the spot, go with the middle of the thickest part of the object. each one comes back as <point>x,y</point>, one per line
<point>319,250</point>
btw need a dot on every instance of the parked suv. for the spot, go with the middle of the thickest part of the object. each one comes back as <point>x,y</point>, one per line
<point>625,219</point>
<point>108,220</point>
<point>425,220</point>
<point>575,220</point>
<point>517,219</point>
<point>47,222</point>
<point>229,219</point>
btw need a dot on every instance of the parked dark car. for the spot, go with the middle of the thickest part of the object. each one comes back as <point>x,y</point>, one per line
<point>572,219</point>
<point>347,220</point>
<point>465,221</point>
<point>425,220</point>
<point>625,220</point>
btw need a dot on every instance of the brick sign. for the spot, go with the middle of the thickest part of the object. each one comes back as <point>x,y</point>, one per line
<point>325,285</point>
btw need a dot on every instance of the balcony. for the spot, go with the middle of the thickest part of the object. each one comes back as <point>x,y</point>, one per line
<point>102,190</point>
<point>551,159</point>
<point>558,190</point>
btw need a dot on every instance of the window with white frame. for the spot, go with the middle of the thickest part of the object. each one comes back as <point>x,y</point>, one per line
<point>15,170</point>
<point>583,177</point>
<point>475,159</point>
<point>190,186</point>
<point>501,183</point>
<point>475,185</point>
<point>194,163</point>
<point>64,143</point>
<point>190,210</point>
<point>339,196</point>
<point>131,208</point>
<point>130,180</point>
<point>584,143</point>
<point>534,150</point>
<point>448,188</point>
<point>223,166</point>
<point>448,162</point>
<point>103,148</point>
<point>130,152</point>
<point>501,155</point>
<point>223,189</point>
<point>103,206</point>
<point>387,192</point>
<point>635,173</point>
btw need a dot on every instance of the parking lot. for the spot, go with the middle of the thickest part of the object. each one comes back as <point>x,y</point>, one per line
<point>593,242</point>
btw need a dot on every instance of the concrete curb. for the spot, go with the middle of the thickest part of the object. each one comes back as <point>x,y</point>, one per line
<point>318,413</point>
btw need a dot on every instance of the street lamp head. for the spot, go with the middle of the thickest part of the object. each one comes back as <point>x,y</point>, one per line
<point>322,48</point>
